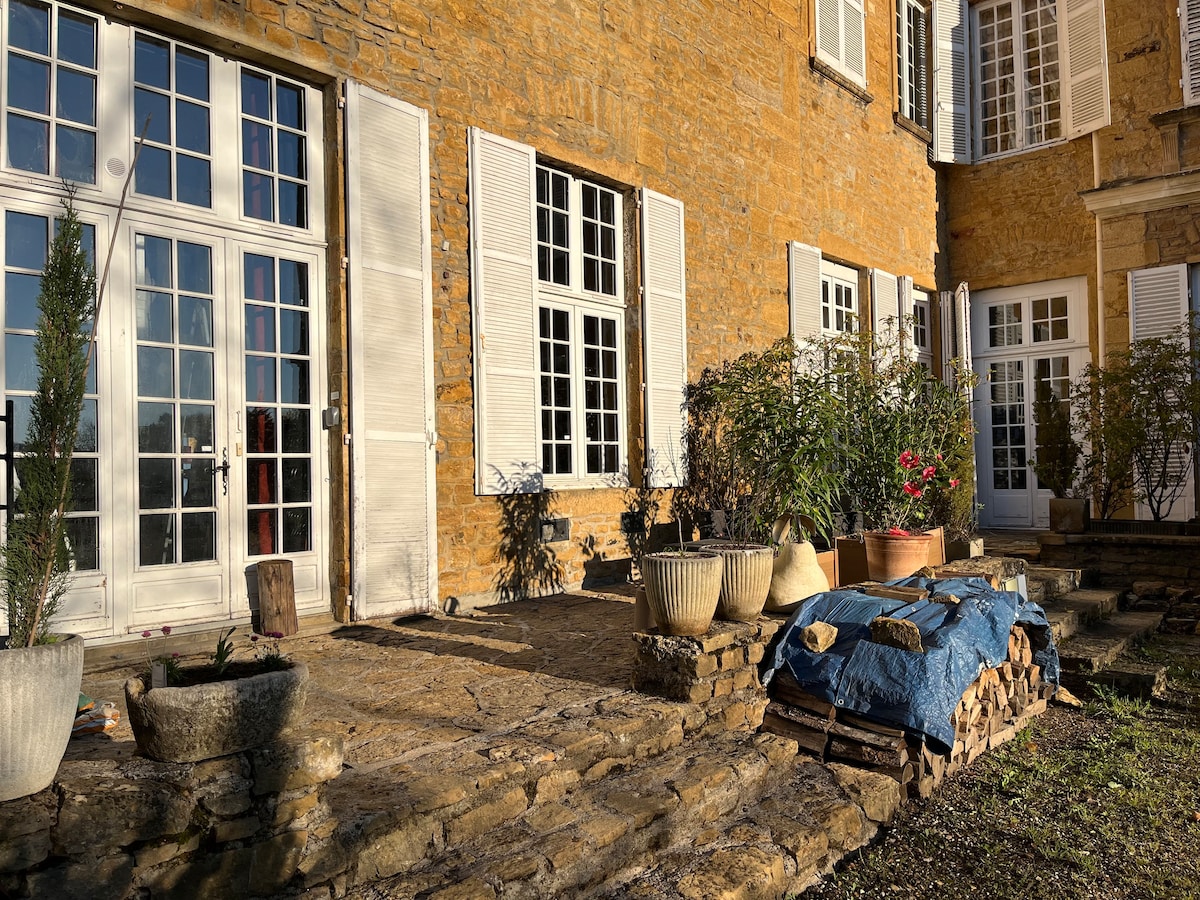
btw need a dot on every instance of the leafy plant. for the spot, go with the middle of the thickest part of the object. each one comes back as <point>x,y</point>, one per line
<point>1099,407</point>
<point>268,652</point>
<point>1057,461</point>
<point>223,655</point>
<point>36,557</point>
<point>170,663</point>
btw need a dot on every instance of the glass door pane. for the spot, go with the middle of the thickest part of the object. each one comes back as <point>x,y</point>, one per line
<point>177,454</point>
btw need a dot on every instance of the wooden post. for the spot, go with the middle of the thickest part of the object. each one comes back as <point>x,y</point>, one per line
<point>277,597</point>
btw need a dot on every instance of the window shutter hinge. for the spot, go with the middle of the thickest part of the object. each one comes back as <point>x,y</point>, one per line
<point>341,102</point>
<point>641,290</point>
<point>345,261</point>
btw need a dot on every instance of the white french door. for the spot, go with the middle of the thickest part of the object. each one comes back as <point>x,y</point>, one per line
<point>1023,337</point>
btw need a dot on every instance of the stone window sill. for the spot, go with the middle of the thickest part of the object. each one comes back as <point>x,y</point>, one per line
<point>907,124</point>
<point>827,71</point>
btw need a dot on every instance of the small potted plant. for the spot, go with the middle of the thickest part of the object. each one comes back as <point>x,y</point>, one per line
<point>1056,462</point>
<point>223,707</point>
<point>40,671</point>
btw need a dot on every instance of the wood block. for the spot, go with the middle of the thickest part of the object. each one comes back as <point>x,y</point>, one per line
<point>277,597</point>
<point>894,592</point>
<point>828,561</point>
<point>852,560</point>
<point>807,731</point>
<point>783,687</point>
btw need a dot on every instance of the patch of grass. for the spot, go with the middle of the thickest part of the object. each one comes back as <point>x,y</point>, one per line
<point>1103,802</point>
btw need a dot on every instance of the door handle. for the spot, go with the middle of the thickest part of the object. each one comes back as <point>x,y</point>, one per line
<point>223,468</point>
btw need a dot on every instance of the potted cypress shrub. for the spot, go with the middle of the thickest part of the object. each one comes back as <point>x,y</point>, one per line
<point>1056,462</point>
<point>40,672</point>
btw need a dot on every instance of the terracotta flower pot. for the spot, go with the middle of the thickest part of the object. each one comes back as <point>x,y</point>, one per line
<point>892,556</point>
<point>682,590</point>
<point>745,580</point>
<point>39,693</point>
<point>204,721</point>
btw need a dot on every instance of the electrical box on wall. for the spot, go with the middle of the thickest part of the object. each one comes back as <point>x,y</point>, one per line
<point>554,530</point>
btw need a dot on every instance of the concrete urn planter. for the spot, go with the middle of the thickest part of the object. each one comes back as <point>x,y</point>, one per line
<point>39,693</point>
<point>1069,515</point>
<point>682,590</point>
<point>204,721</point>
<point>745,580</point>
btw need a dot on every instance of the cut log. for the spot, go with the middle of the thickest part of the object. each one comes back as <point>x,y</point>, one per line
<point>277,598</point>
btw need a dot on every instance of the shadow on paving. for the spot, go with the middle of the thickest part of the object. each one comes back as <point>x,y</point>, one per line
<point>569,636</point>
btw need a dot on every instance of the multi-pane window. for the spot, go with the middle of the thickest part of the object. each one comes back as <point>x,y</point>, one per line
<point>1017,75</point>
<point>1009,448</point>
<point>275,161</point>
<point>26,244</point>
<point>922,332</point>
<point>279,471</point>
<point>176,401</point>
<point>50,91</point>
<point>580,394</point>
<point>580,328</point>
<point>839,298</point>
<point>1004,325</point>
<point>1049,319</point>
<point>171,102</point>
<point>912,74</point>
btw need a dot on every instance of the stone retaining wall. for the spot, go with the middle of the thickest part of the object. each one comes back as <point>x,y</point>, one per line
<point>1116,561</point>
<point>110,829</point>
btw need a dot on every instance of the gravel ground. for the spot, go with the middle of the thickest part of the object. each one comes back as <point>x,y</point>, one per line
<point>1098,803</point>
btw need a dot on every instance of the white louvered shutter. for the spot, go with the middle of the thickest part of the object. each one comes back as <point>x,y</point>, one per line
<point>391,364</point>
<point>946,321</point>
<point>1158,304</point>
<point>829,32</point>
<point>664,338</point>
<point>904,290</point>
<point>1085,66</point>
<point>1189,24</point>
<point>854,40</point>
<point>804,292</point>
<point>1158,301</point>
<point>885,312</point>
<point>504,315</point>
<point>962,326</point>
<point>951,82</point>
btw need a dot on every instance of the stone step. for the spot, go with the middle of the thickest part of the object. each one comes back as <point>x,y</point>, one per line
<point>1133,679</point>
<point>1093,606</point>
<point>603,838</point>
<point>1097,647</point>
<point>1054,582</point>
<point>773,848</point>
<point>1064,623</point>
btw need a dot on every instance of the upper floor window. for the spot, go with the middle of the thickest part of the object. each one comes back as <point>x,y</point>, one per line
<point>912,72</point>
<point>50,93</point>
<point>839,298</point>
<point>274,150</point>
<point>1017,74</point>
<point>841,37</point>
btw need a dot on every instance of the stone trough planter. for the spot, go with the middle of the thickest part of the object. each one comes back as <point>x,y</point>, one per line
<point>204,721</point>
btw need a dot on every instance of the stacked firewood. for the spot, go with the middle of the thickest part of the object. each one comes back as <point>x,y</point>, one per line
<point>998,704</point>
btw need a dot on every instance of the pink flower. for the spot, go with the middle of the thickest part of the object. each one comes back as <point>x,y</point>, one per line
<point>898,531</point>
<point>939,457</point>
<point>909,460</point>
<point>928,472</point>
<point>912,490</point>
<point>953,482</point>
<point>145,634</point>
<point>166,629</point>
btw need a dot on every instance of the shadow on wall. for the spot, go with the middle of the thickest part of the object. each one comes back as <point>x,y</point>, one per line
<point>529,566</point>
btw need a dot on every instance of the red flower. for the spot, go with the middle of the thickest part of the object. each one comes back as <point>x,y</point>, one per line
<point>909,460</point>
<point>898,531</point>
<point>912,490</point>
<point>953,482</point>
<point>928,472</point>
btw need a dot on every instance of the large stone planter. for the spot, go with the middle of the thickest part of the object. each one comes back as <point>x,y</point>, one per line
<point>745,580</point>
<point>892,556</point>
<point>1069,515</point>
<point>39,693</point>
<point>204,721</point>
<point>682,590</point>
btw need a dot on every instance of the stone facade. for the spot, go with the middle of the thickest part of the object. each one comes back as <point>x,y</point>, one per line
<point>719,107</point>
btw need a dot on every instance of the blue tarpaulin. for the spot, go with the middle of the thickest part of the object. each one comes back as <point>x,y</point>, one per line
<point>905,688</point>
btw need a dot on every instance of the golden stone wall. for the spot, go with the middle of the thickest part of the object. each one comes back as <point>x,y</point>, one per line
<point>713,103</point>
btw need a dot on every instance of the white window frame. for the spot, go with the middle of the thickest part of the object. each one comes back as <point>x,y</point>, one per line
<point>840,38</point>
<point>922,328</point>
<point>835,276</point>
<point>912,60</point>
<point>579,302</point>
<point>982,302</point>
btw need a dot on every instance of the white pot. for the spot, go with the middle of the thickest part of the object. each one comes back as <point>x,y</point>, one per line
<point>682,590</point>
<point>745,580</point>
<point>39,694</point>
<point>796,575</point>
